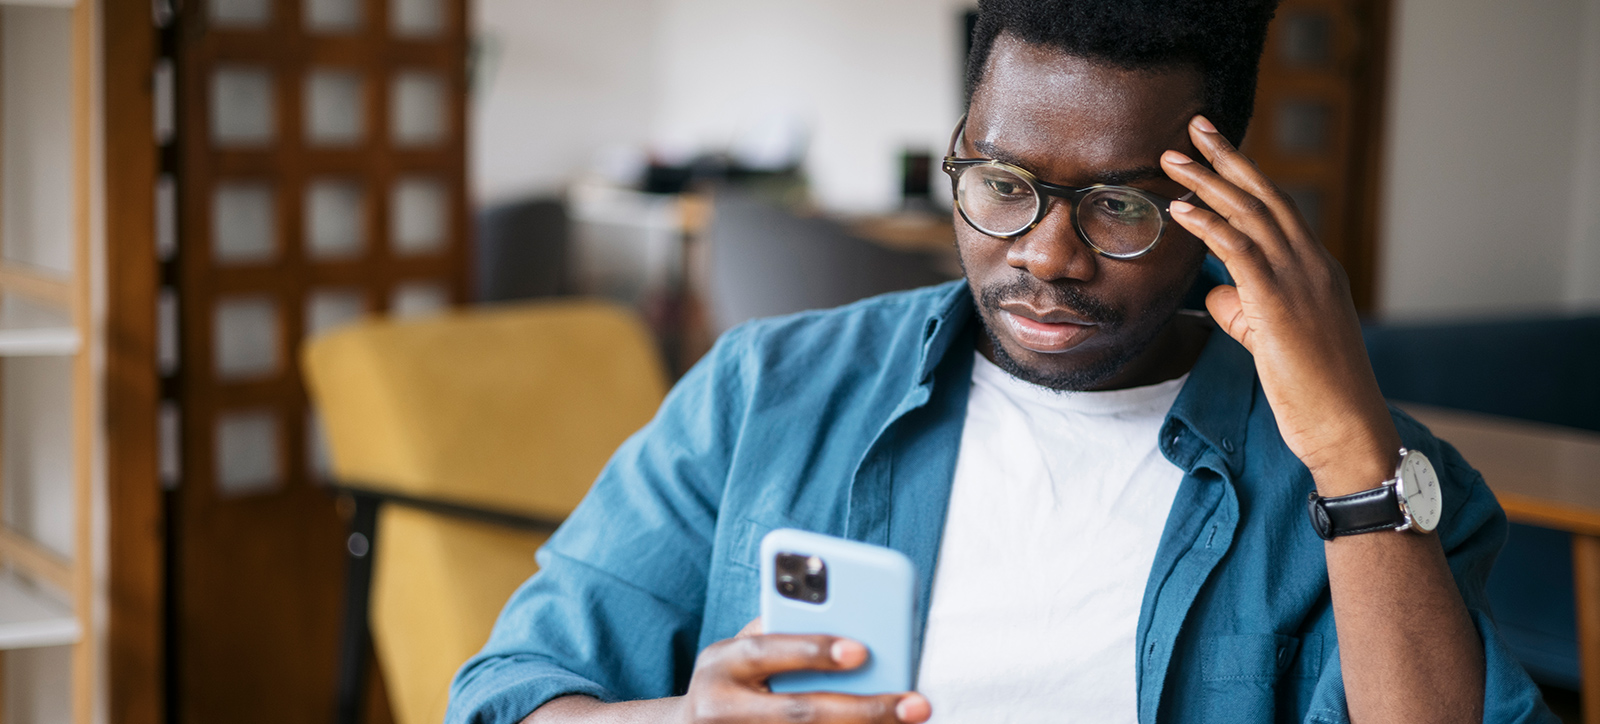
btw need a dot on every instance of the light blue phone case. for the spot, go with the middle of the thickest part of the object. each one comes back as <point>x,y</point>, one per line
<point>871,599</point>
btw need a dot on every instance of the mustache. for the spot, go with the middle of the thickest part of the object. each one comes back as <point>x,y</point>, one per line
<point>1046,295</point>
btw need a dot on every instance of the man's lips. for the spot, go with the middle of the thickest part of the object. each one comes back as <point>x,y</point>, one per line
<point>1045,331</point>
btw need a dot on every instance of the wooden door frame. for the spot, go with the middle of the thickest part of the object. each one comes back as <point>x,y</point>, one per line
<point>1369,138</point>
<point>135,651</point>
<point>1358,137</point>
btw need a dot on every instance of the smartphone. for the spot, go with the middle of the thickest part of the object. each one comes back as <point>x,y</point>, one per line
<point>819,584</point>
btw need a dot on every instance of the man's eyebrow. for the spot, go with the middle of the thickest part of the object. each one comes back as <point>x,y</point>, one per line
<point>1118,177</point>
<point>1123,177</point>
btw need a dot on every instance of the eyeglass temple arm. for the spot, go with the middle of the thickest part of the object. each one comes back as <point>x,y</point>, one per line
<point>955,137</point>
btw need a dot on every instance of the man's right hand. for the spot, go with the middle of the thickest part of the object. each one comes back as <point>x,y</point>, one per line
<point>729,686</point>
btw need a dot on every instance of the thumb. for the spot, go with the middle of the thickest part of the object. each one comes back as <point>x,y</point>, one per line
<point>750,629</point>
<point>1228,311</point>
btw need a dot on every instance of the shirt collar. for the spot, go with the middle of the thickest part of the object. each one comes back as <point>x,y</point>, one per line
<point>943,327</point>
<point>1214,405</point>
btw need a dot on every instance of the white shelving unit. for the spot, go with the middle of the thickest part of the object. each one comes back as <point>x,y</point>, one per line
<point>48,388</point>
<point>42,342</point>
<point>31,618</point>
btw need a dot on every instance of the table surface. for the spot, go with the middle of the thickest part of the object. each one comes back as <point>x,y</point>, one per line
<point>1546,475</point>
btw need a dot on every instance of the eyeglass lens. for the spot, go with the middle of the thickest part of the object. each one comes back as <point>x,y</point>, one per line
<point>999,202</point>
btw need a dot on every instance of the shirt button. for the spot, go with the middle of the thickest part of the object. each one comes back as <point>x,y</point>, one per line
<point>1227,444</point>
<point>1283,656</point>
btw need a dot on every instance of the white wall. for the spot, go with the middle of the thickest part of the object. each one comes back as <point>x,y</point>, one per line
<point>867,79</point>
<point>864,79</point>
<point>1492,181</point>
<point>1583,278</point>
<point>564,80</point>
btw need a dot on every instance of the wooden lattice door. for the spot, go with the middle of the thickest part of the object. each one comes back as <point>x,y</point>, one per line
<point>1318,123</point>
<point>319,163</point>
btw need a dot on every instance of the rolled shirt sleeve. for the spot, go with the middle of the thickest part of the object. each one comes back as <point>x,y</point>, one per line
<point>1472,532</point>
<point>615,609</point>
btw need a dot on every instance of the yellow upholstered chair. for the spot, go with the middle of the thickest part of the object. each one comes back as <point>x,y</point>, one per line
<point>507,413</point>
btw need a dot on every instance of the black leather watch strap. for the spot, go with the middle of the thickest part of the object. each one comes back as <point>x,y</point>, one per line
<point>1363,512</point>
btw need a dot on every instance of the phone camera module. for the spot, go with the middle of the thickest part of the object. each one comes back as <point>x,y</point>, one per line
<point>802,577</point>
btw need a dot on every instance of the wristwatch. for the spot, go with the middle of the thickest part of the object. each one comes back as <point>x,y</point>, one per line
<point>1411,500</point>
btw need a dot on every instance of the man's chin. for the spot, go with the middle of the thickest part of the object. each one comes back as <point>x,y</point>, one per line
<point>1073,370</point>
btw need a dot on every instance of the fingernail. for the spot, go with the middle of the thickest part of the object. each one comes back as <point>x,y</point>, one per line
<point>1175,157</point>
<point>1201,123</point>
<point>1181,207</point>
<point>845,652</point>
<point>912,708</point>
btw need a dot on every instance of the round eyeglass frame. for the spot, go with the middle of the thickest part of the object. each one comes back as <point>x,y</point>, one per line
<point>1042,192</point>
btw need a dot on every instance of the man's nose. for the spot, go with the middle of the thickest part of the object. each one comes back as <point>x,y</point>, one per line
<point>1053,251</point>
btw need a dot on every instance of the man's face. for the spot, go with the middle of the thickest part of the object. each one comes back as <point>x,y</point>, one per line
<point>1058,314</point>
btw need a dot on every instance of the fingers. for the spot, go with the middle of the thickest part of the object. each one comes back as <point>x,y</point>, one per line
<point>845,708</point>
<point>817,708</point>
<point>729,683</point>
<point>913,708</point>
<point>1242,187</point>
<point>1245,258</point>
<point>754,659</point>
<point>1244,212</point>
<point>750,629</point>
<point>1228,310</point>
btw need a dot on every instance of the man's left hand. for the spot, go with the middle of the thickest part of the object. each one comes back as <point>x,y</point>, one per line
<point>1291,308</point>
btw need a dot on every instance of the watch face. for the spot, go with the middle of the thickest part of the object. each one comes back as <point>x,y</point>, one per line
<point>1419,491</point>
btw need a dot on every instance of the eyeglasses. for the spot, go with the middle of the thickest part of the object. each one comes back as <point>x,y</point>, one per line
<point>1005,202</point>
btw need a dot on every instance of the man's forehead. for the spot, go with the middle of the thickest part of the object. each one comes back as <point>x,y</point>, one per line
<point>1063,114</point>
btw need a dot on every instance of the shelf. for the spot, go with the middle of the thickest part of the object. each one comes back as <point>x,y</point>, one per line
<point>39,342</point>
<point>64,4</point>
<point>40,285</point>
<point>34,559</point>
<point>30,618</point>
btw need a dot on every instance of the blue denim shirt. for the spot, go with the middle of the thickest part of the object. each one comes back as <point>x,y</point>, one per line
<point>848,422</point>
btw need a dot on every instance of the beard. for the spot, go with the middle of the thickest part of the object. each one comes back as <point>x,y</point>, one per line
<point>1137,333</point>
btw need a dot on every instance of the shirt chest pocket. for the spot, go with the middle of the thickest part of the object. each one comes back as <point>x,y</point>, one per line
<point>735,586</point>
<point>1251,677</point>
<point>1260,657</point>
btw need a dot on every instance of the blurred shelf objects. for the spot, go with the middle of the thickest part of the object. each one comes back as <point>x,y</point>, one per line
<point>700,247</point>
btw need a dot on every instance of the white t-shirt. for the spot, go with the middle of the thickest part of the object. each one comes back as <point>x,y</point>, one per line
<point>1058,505</point>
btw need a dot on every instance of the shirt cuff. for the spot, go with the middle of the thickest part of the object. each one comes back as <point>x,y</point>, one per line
<point>506,690</point>
<point>1509,695</point>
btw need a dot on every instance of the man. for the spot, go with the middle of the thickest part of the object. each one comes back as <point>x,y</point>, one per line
<point>1106,496</point>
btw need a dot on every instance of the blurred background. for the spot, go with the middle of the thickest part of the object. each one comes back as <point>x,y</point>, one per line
<point>316,316</point>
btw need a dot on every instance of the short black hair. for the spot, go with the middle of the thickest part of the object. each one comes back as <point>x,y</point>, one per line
<point>1222,38</point>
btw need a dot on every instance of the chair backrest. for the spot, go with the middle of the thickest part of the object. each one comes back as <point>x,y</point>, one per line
<point>515,408</point>
<point>766,261</point>
<point>520,250</point>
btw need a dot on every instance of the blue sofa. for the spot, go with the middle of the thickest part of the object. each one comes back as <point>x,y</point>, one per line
<point>1544,370</point>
